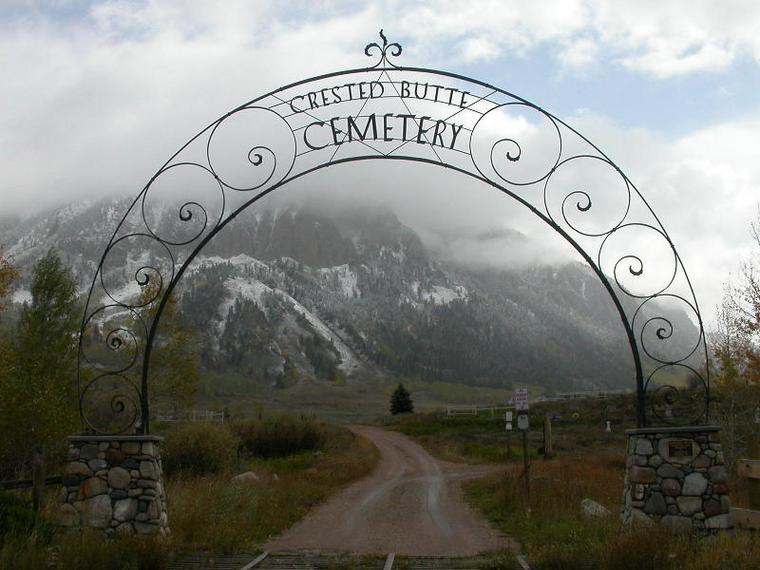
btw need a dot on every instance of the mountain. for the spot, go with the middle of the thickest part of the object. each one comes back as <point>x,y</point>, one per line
<point>306,293</point>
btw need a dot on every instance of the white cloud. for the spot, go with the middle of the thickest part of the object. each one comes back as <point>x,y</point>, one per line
<point>474,49</point>
<point>94,106</point>
<point>579,53</point>
<point>94,103</point>
<point>663,39</point>
<point>704,187</point>
<point>505,26</point>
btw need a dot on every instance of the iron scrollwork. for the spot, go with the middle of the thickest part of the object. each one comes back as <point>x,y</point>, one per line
<point>464,125</point>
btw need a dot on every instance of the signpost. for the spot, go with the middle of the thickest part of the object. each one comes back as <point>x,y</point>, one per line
<point>523,424</point>
<point>521,399</point>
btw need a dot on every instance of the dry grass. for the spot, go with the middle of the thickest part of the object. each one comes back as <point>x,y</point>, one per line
<point>555,535</point>
<point>590,464</point>
<point>208,514</point>
<point>549,524</point>
<point>212,515</point>
<point>87,551</point>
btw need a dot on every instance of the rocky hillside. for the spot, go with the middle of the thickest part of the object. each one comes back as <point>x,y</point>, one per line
<point>301,293</point>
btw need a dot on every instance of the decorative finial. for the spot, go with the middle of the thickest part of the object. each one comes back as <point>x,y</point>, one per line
<point>392,49</point>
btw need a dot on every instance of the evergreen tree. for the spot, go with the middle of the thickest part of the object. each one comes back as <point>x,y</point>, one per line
<point>8,274</point>
<point>38,386</point>
<point>401,401</point>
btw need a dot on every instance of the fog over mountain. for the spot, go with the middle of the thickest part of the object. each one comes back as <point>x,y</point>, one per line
<point>302,291</point>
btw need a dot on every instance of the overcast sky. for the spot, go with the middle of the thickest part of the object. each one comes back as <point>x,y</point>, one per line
<point>97,95</point>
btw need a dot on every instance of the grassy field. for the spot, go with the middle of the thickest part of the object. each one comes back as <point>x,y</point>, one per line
<point>356,401</point>
<point>577,427</point>
<point>463,439</point>
<point>209,514</point>
<point>555,535</point>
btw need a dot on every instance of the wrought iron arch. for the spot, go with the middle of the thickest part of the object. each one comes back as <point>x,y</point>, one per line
<point>460,123</point>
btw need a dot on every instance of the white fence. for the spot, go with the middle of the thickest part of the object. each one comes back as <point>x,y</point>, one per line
<point>192,416</point>
<point>587,395</point>
<point>475,410</point>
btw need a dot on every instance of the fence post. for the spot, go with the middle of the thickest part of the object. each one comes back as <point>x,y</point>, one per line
<point>38,478</point>
<point>548,445</point>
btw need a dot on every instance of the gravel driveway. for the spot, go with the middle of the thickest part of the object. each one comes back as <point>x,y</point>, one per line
<point>411,504</point>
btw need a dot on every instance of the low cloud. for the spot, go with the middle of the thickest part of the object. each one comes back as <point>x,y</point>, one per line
<point>96,96</point>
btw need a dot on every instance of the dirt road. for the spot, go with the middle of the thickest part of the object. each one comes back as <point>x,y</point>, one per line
<point>411,504</point>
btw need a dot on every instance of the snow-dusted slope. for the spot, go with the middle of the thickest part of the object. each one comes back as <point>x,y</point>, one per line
<point>357,289</point>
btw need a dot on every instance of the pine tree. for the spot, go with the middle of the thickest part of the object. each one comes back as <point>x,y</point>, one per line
<point>7,373</point>
<point>401,401</point>
<point>8,274</point>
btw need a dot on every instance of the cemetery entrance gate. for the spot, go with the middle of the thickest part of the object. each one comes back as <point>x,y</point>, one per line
<point>390,112</point>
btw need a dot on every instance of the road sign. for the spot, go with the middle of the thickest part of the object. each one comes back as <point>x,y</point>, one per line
<point>508,416</point>
<point>522,422</point>
<point>521,399</point>
<point>509,426</point>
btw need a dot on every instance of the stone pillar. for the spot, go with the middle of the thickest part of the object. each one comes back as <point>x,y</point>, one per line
<point>677,477</point>
<point>114,483</point>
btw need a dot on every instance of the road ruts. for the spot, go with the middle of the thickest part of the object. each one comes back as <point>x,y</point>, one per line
<point>411,504</point>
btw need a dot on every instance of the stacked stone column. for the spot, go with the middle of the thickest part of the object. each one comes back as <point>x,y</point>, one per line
<point>114,484</point>
<point>677,477</point>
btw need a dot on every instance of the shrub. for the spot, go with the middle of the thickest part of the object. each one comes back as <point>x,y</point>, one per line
<point>198,449</point>
<point>279,436</point>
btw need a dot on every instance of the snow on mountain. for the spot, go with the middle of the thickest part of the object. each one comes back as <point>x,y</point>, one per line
<point>443,295</point>
<point>240,287</point>
<point>303,292</point>
<point>236,260</point>
<point>348,360</point>
<point>347,280</point>
<point>256,291</point>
